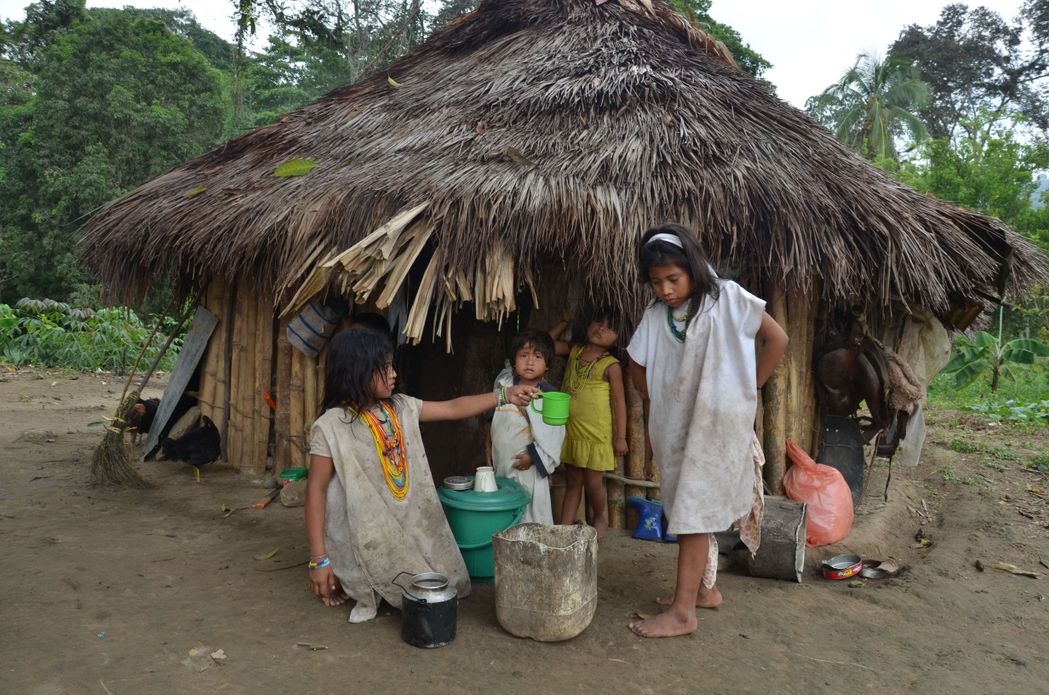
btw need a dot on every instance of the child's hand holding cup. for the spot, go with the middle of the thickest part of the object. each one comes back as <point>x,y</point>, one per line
<point>521,395</point>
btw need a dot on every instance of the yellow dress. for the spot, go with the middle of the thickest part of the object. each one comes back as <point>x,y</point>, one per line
<point>588,434</point>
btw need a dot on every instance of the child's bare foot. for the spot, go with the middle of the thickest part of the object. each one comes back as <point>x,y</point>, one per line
<point>666,624</point>
<point>601,526</point>
<point>706,598</point>
<point>336,598</point>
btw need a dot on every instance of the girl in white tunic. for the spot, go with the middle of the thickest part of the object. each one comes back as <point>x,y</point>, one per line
<point>693,358</point>
<point>371,506</point>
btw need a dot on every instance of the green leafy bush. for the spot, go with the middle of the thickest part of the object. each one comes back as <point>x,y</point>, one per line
<point>1013,410</point>
<point>46,333</point>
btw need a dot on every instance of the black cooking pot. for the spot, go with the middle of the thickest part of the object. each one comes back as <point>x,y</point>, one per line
<point>428,610</point>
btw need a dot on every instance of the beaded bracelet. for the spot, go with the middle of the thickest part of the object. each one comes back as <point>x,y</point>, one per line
<point>318,564</point>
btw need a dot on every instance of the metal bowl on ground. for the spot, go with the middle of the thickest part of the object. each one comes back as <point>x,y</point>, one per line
<point>459,482</point>
<point>842,567</point>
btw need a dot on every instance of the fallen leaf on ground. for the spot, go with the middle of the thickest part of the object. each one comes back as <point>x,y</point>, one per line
<point>1013,569</point>
<point>641,616</point>
<point>267,556</point>
<point>923,543</point>
<point>1035,489</point>
<point>857,584</point>
<point>392,82</point>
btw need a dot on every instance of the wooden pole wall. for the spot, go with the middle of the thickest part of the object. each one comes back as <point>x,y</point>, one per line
<point>209,378</point>
<point>297,406</point>
<point>263,415</point>
<point>242,391</point>
<point>801,399</point>
<point>787,404</point>
<point>635,459</point>
<point>774,399</point>
<point>282,424</point>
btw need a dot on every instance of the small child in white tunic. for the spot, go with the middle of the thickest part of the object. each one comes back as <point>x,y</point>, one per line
<point>521,446</point>
<point>693,359</point>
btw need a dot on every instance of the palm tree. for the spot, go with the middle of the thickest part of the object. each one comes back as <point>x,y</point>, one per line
<point>873,105</point>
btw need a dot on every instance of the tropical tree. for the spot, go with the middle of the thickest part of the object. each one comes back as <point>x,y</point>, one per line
<point>873,106</point>
<point>105,103</point>
<point>975,62</point>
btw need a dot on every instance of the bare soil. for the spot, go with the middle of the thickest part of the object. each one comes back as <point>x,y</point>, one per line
<point>107,591</point>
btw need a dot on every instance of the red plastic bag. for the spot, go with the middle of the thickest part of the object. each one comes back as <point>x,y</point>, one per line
<point>826,493</point>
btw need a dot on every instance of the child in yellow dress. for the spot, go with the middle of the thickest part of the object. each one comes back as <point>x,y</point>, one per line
<point>596,429</point>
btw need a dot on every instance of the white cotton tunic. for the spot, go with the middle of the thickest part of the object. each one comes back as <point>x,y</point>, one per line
<point>703,399</point>
<point>370,535</point>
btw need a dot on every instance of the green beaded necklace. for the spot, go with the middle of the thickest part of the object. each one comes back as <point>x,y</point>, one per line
<point>673,320</point>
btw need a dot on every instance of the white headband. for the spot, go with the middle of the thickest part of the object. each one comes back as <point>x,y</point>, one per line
<point>667,237</point>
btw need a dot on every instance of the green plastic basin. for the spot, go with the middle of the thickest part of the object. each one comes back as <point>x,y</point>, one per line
<point>475,517</point>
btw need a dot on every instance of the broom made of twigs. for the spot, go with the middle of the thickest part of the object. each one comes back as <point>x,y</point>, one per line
<point>111,462</point>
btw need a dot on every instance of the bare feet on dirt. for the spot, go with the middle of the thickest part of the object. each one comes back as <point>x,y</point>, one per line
<point>666,624</point>
<point>707,598</point>
<point>336,598</point>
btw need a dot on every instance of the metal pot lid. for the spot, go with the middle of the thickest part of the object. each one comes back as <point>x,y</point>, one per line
<point>458,482</point>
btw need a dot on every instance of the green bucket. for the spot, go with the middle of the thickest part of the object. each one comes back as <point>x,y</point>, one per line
<point>475,517</point>
<point>293,474</point>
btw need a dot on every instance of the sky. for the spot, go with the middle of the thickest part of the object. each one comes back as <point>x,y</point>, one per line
<point>810,43</point>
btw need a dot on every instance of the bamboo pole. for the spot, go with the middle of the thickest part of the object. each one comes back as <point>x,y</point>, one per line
<point>296,428</point>
<point>242,382</point>
<point>322,362</point>
<point>263,381</point>
<point>225,383</point>
<point>309,395</point>
<point>615,493</point>
<point>234,426</point>
<point>775,402</point>
<point>635,459</point>
<point>799,353</point>
<point>282,424</point>
<point>208,373</point>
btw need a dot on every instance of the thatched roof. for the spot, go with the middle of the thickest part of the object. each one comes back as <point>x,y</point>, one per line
<point>560,128</point>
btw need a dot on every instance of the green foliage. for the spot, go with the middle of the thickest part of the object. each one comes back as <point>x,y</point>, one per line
<point>984,352</point>
<point>99,103</point>
<point>975,61</point>
<point>1013,411</point>
<point>989,171</point>
<point>699,12</point>
<point>873,105</point>
<point>46,333</point>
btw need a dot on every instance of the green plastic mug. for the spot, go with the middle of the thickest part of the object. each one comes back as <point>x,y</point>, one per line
<point>555,407</point>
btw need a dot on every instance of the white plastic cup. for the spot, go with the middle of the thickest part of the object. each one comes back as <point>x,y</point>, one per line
<point>484,481</point>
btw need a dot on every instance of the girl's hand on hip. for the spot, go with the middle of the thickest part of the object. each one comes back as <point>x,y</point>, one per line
<point>523,461</point>
<point>620,447</point>
<point>521,395</point>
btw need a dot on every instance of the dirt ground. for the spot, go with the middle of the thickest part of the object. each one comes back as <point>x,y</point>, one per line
<point>105,591</point>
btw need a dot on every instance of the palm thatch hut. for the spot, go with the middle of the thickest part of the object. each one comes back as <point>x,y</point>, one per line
<point>515,159</point>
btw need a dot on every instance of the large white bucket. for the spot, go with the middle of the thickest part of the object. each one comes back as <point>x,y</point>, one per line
<point>545,580</point>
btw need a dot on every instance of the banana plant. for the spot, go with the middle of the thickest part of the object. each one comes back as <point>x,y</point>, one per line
<point>984,351</point>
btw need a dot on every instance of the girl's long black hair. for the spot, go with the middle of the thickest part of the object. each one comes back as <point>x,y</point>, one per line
<point>689,257</point>
<point>354,357</point>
